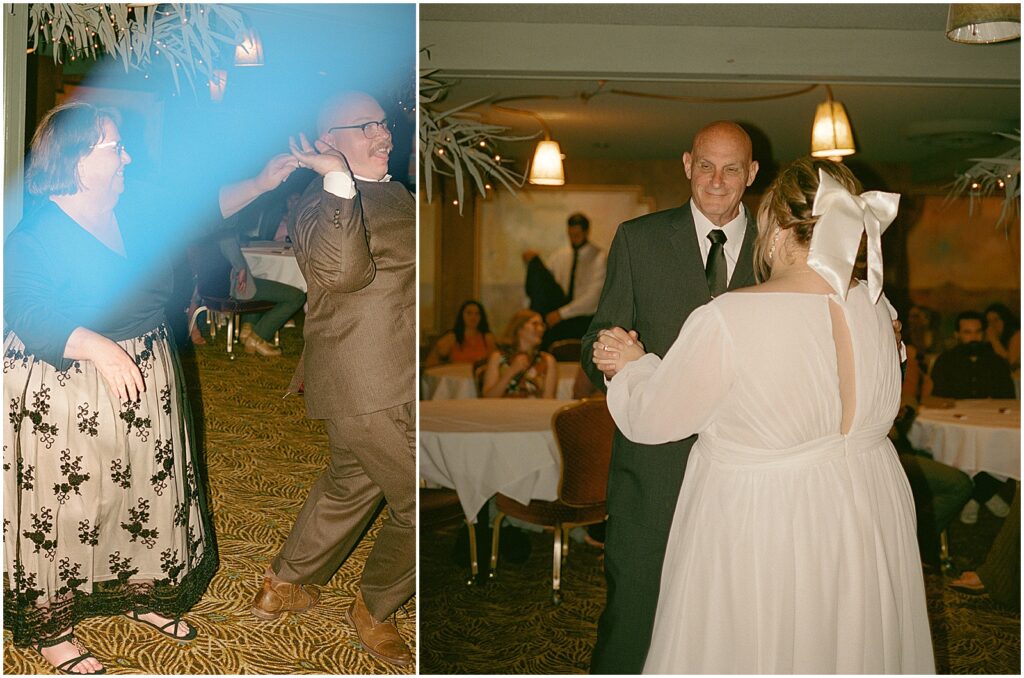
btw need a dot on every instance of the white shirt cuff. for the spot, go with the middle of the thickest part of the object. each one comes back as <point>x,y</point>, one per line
<point>340,184</point>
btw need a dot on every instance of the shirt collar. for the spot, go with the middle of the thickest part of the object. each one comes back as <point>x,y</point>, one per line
<point>734,230</point>
<point>386,177</point>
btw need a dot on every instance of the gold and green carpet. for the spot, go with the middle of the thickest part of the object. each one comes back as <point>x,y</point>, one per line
<point>509,626</point>
<point>263,455</point>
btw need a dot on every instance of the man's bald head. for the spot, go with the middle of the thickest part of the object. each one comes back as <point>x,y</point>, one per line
<point>724,131</point>
<point>720,167</point>
<point>338,107</point>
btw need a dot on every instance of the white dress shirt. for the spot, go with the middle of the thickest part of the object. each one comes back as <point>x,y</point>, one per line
<point>340,183</point>
<point>590,271</point>
<point>734,231</point>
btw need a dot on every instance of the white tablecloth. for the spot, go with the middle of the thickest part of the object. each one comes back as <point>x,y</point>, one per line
<point>455,381</point>
<point>274,262</point>
<point>974,436</point>
<point>485,446</point>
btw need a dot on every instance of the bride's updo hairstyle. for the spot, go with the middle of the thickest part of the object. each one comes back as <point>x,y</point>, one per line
<point>788,203</point>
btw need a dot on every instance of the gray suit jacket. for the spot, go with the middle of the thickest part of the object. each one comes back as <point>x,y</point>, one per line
<point>655,280</point>
<point>358,257</point>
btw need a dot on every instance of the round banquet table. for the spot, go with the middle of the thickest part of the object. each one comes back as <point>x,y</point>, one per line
<point>455,381</point>
<point>274,261</point>
<point>973,436</point>
<point>489,445</point>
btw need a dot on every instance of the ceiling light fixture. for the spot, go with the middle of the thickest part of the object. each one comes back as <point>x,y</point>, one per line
<point>831,136</point>
<point>978,24</point>
<point>249,51</point>
<point>546,168</point>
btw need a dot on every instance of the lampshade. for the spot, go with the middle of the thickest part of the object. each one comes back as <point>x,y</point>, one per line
<point>831,136</point>
<point>249,51</point>
<point>546,168</point>
<point>983,23</point>
<point>218,82</point>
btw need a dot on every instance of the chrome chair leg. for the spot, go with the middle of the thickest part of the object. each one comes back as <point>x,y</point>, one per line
<point>495,537</point>
<point>474,565</point>
<point>556,567</point>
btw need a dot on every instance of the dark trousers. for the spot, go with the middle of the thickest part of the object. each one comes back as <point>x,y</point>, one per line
<point>372,456</point>
<point>1001,571</point>
<point>940,491</point>
<point>288,301</point>
<point>634,555</point>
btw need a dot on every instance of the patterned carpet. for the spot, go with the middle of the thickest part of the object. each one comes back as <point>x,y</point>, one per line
<point>263,456</point>
<point>508,625</point>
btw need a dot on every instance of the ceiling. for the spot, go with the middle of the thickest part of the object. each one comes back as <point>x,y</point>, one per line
<point>913,96</point>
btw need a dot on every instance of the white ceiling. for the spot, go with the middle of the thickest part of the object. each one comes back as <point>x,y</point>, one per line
<point>912,95</point>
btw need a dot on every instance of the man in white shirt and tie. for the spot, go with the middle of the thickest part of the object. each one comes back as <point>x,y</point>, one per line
<point>566,292</point>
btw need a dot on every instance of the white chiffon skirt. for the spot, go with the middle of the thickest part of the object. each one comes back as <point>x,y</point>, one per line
<point>794,561</point>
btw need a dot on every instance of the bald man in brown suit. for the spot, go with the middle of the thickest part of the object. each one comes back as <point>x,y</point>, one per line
<point>355,241</point>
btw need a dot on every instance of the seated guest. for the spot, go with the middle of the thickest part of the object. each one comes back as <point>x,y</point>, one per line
<point>921,330</point>
<point>940,491</point>
<point>999,575</point>
<point>1003,334</point>
<point>971,369</point>
<point>469,341</point>
<point>519,369</point>
<point>258,330</point>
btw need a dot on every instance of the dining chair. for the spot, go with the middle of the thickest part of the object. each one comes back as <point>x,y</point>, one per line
<point>440,507</point>
<point>583,432</point>
<point>231,310</point>
<point>566,350</point>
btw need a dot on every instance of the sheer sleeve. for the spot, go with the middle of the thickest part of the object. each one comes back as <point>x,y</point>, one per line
<point>655,401</point>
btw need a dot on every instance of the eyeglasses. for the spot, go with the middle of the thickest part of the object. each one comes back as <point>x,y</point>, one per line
<point>370,129</point>
<point>116,145</point>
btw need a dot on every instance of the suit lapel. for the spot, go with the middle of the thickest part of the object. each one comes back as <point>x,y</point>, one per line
<point>743,275</point>
<point>691,266</point>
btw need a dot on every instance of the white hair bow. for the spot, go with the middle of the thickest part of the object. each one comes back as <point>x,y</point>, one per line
<point>836,238</point>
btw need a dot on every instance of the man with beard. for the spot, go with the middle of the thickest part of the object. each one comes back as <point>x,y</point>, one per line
<point>971,369</point>
<point>355,241</point>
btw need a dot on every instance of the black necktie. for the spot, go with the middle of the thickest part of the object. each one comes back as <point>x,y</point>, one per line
<point>572,273</point>
<point>716,271</point>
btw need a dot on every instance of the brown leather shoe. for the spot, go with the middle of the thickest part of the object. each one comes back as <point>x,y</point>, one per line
<point>278,597</point>
<point>244,332</point>
<point>257,344</point>
<point>381,639</point>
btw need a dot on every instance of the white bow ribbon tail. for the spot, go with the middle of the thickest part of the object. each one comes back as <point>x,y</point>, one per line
<point>836,239</point>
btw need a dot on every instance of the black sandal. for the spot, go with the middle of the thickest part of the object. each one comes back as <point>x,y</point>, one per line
<point>169,632</point>
<point>66,667</point>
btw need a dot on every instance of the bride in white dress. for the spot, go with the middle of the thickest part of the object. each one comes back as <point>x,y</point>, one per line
<point>793,547</point>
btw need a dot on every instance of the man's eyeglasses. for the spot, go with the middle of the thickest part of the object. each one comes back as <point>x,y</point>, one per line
<point>370,129</point>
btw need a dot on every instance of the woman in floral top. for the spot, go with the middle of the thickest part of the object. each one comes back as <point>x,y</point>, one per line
<point>519,369</point>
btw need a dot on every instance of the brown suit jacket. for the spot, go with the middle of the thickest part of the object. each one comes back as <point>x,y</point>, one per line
<point>359,260</point>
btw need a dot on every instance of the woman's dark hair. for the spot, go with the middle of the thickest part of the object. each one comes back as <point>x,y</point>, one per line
<point>1010,323</point>
<point>460,323</point>
<point>64,136</point>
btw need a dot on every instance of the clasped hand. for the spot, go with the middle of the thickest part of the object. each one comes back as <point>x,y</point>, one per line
<point>614,348</point>
<point>320,157</point>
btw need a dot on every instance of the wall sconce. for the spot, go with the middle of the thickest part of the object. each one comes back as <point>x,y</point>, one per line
<point>831,136</point>
<point>218,83</point>
<point>249,51</point>
<point>983,23</point>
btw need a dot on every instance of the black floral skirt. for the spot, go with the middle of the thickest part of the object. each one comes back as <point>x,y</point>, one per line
<point>103,505</point>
